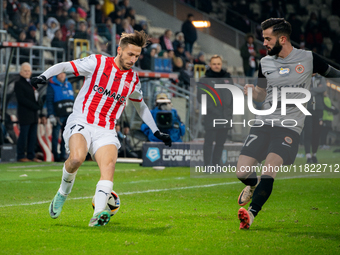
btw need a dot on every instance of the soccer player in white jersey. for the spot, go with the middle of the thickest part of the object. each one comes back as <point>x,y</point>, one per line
<point>109,83</point>
<point>285,66</point>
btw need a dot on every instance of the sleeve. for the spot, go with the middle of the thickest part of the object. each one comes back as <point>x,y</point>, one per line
<point>262,80</point>
<point>85,66</point>
<point>136,98</point>
<point>137,94</point>
<point>319,65</point>
<point>145,114</point>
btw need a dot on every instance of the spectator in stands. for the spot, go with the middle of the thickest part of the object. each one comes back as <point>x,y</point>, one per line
<point>31,35</point>
<point>167,120</point>
<point>22,18</point>
<point>152,52</point>
<point>314,40</point>
<point>125,6</point>
<point>69,29</point>
<point>35,15</point>
<point>53,26</point>
<point>61,16</point>
<point>179,58</point>
<point>250,55</point>
<point>185,75</point>
<point>312,23</point>
<point>313,123</point>
<point>200,60</point>
<point>59,102</point>
<point>143,26</point>
<point>109,6</point>
<point>84,4</point>
<point>105,30</point>
<point>29,103</point>
<point>179,38</point>
<point>12,7</point>
<point>126,26</point>
<point>297,25</point>
<point>81,32</point>
<point>58,42</point>
<point>189,32</point>
<point>99,15</point>
<point>215,75</point>
<point>165,40</point>
<point>24,52</point>
<point>328,112</point>
<point>7,23</point>
<point>72,12</point>
<point>126,148</point>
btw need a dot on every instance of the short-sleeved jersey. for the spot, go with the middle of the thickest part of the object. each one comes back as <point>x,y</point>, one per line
<point>293,71</point>
<point>102,98</point>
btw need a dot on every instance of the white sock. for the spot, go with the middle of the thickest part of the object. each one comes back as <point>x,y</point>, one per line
<point>308,155</point>
<point>67,181</point>
<point>103,191</point>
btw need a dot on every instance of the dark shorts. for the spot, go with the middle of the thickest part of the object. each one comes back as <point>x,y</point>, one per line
<point>266,139</point>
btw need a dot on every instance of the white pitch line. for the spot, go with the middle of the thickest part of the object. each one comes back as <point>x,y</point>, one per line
<point>157,190</point>
<point>131,193</point>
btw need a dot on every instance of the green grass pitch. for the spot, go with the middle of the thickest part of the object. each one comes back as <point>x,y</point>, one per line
<point>166,212</point>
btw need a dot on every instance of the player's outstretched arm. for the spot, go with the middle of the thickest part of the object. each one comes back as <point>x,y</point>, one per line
<point>145,114</point>
<point>52,71</point>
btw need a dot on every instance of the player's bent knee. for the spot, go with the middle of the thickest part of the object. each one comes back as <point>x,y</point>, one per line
<point>75,161</point>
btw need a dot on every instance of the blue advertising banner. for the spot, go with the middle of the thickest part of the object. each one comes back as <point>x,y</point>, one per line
<point>184,154</point>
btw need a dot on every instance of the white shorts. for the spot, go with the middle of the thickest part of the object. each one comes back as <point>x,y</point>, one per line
<point>95,136</point>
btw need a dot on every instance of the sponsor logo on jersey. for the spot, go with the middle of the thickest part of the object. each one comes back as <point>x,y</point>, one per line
<point>108,93</point>
<point>299,69</point>
<point>283,71</point>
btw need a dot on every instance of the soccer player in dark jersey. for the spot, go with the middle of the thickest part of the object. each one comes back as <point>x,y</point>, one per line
<point>277,144</point>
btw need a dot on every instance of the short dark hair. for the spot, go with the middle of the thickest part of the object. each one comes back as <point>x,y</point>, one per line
<point>190,15</point>
<point>280,26</point>
<point>138,38</point>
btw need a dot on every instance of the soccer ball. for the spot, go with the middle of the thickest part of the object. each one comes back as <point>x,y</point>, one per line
<point>113,203</point>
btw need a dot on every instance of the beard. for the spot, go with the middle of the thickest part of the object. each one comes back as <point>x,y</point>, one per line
<point>276,49</point>
<point>121,63</point>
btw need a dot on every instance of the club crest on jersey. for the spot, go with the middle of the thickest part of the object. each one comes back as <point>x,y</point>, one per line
<point>299,68</point>
<point>288,140</point>
<point>284,71</point>
<point>108,93</point>
<point>126,84</point>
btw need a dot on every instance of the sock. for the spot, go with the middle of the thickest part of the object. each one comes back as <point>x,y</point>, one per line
<point>251,180</point>
<point>103,190</point>
<point>261,194</point>
<point>308,155</point>
<point>67,181</point>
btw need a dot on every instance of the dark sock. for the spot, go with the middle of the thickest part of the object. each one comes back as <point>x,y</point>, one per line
<point>251,180</point>
<point>261,194</point>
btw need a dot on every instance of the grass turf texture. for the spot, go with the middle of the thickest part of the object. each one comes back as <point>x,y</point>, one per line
<point>159,214</point>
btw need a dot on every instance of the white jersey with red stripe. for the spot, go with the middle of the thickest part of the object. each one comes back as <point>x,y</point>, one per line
<point>102,98</point>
